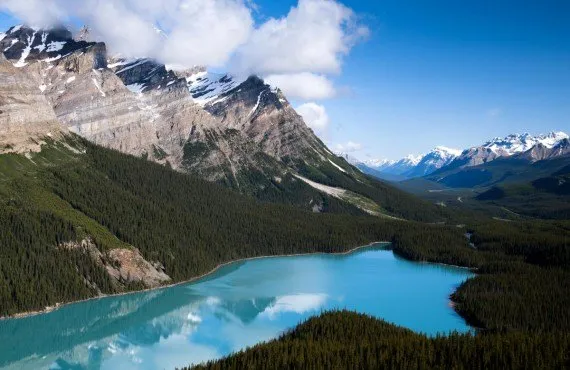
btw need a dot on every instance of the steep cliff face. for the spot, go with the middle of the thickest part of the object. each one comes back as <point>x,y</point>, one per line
<point>26,116</point>
<point>246,126</point>
<point>93,101</point>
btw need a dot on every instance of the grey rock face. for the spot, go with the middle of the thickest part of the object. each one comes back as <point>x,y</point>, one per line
<point>265,116</point>
<point>541,152</point>
<point>26,116</point>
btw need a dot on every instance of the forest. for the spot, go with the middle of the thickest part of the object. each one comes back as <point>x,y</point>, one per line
<point>347,340</point>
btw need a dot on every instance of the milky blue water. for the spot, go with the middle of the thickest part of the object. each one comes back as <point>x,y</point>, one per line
<point>238,306</point>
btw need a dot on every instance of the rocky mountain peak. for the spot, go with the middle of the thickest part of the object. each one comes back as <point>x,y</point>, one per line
<point>24,45</point>
<point>144,75</point>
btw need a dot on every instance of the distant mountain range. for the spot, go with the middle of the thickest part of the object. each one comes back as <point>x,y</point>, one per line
<point>440,159</point>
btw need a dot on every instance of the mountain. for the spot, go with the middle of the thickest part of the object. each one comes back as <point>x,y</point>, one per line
<point>235,131</point>
<point>371,167</point>
<point>541,151</point>
<point>437,158</point>
<point>510,159</point>
<point>442,159</point>
<point>508,146</point>
<point>118,175</point>
<point>413,166</point>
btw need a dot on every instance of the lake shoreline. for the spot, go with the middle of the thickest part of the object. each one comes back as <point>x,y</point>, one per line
<point>25,314</point>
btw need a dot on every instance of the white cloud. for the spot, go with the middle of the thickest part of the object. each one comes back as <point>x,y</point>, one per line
<point>200,32</point>
<point>315,116</point>
<point>306,86</point>
<point>297,52</point>
<point>299,303</point>
<point>348,147</point>
<point>34,12</point>
<point>313,37</point>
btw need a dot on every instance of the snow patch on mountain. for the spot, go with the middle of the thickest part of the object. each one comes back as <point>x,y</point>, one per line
<point>206,87</point>
<point>22,62</point>
<point>55,45</point>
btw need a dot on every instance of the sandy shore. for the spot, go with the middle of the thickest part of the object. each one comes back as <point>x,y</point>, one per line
<point>215,269</point>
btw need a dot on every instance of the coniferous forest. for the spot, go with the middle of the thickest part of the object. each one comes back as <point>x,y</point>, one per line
<point>518,300</point>
<point>347,340</point>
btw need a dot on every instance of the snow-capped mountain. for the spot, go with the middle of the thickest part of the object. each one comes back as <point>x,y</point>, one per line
<point>513,144</point>
<point>414,166</point>
<point>237,131</point>
<point>25,45</point>
<point>525,146</point>
<point>510,145</point>
<point>207,87</point>
<point>379,164</point>
<point>439,157</point>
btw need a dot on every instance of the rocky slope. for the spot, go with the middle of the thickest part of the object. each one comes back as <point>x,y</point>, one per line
<point>124,265</point>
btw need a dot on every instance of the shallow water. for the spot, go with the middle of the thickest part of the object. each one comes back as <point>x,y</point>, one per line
<point>238,306</point>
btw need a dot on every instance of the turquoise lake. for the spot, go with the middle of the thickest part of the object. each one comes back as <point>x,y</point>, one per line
<point>240,305</point>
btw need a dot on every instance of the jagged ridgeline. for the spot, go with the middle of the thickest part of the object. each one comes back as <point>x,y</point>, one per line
<point>235,131</point>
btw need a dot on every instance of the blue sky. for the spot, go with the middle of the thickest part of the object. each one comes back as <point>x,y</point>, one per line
<point>445,72</point>
<point>452,73</point>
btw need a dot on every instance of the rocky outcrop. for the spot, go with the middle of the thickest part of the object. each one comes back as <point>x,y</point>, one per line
<point>124,266</point>
<point>142,75</point>
<point>26,116</point>
<point>132,267</point>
